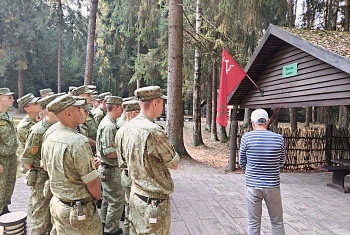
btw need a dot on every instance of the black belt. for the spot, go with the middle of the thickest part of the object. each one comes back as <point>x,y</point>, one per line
<point>148,200</point>
<point>72,203</point>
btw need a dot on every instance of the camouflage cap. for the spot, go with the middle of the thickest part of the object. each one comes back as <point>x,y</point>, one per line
<point>81,90</point>
<point>61,103</point>
<point>91,87</point>
<point>131,105</point>
<point>46,91</point>
<point>103,95</point>
<point>43,102</point>
<point>113,100</point>
<point>85,106</point>
<point>149,93</point>
<point>27,99</point>
<point>5,91</point>
<point>129,98</point>
<point>71,88</point>
<point>95,97</point>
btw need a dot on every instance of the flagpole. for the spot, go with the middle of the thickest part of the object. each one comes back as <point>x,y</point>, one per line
<point>261,91</point>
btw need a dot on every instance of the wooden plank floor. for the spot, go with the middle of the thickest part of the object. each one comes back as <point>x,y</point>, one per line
<point>209,202</point>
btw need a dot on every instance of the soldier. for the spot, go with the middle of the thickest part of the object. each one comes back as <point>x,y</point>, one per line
<point>45,92</point>
<point>100,112</point>
<point>39,211</point>
<point>148,154</point>
<point>74,181</point>
<point>110,173</point>
<point>95,102</point>
<point>121,120</point>
<point>8,147</point>
<point>131,109</point>
<point>30,105</point>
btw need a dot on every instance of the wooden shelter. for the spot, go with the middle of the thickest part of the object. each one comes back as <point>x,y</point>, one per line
<point>294,72</point>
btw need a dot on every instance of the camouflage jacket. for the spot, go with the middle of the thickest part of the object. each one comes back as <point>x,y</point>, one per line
<point>68,159</point>
<point>23,128</point>
<point>8,138</point>
<point>148,154</point>
<point>32,149</point>
<point>105,143</point>
<point>99,114</point>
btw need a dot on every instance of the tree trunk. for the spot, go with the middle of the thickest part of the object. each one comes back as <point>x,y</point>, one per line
<point>214,135</point>
<point>197,129</point>
<point>347,15</point>
<point>89,61</point>
<point>138,52</point>
<point>209,99</point>
<point>307,116</point>
<point>175,112</point>
<point>246,120</point>
<point>59,46</point>
<point>343,116</point>
<point>291,13</point>
<point>20,82</point>
<point>223,134</point>
<point>334,15</point>
<point>293,119</point>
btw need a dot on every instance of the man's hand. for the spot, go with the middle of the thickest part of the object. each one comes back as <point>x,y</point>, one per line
<point>1,169</point>
<point>97,162</point>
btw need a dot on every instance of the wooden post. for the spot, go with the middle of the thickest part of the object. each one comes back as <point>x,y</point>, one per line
<point>328,147</point>
<point>233,145</point>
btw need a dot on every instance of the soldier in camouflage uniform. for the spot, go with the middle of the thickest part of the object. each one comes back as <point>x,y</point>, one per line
<point>45,92</point>
<point>95,102</point>
<point>74,181</point>
<point>100,112</point>
<point>110,173</point>
<point>8,147</point>
<point>148,155</point>
<point>85,92</point>
<point>131,109</point>
<point>122,119</point>
<point>40,217</point>
<point>30,105</point>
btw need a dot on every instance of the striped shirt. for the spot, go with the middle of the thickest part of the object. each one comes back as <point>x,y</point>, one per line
<point>261,155</point>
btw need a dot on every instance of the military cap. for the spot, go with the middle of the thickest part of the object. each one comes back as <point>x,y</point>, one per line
<point>61,103</point>
<point>149,93</point>
<point>27,99</point>
<point>131,105</point>
<point>91,87</point>
<point>43,102</point>
<point>85,106</point>
<point>129,98</point>
<point>5,91</point>
<point>81,90</point>
<point>46,91</point>
<point>94,97</point>
<point>71,88</point>
<point>103,95</point>
<point>111,99</point>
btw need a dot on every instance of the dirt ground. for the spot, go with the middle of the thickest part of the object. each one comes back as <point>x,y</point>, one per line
<point>213,153</point>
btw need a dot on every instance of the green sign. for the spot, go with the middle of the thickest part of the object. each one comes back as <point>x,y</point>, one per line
<point>290,70</point>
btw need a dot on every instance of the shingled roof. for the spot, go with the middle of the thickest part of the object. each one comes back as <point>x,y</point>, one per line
<point>319,54</point>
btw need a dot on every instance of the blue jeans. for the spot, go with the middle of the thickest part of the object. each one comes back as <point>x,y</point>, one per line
<point>272,197</point>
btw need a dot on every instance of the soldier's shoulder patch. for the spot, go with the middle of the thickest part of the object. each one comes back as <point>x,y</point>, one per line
<point>34,150</point>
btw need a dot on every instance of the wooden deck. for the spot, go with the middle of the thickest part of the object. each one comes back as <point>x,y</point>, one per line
<point>207,201</point>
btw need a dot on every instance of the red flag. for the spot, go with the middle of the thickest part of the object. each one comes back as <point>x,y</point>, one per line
<point>231,75</point>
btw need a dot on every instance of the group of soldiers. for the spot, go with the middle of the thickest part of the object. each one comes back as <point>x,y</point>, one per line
<point>82,147</point>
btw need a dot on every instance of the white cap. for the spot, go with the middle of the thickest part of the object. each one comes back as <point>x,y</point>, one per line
<point>259,116</point>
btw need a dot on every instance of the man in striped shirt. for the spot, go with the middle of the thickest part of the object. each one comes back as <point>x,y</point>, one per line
<point>261,155</point>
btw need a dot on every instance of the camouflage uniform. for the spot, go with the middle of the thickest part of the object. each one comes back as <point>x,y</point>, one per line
<point>40,219</point>
<point>98,114</point>
<point>148,154</point>
<point>8,159</point>
<point>91,126</point>
<point>121,121</point>
<point>68,159</point>
<point>22,132</point>
<point>110,174</point>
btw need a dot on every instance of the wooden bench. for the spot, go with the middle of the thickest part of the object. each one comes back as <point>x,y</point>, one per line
<point>338,177</point>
